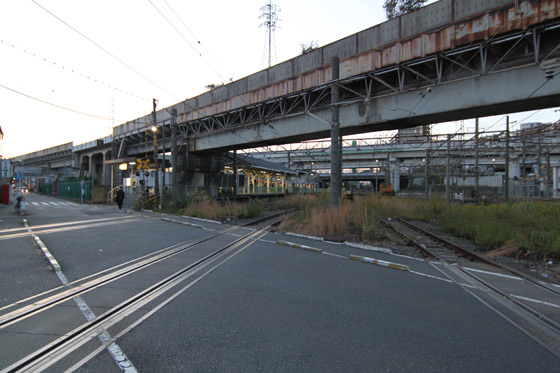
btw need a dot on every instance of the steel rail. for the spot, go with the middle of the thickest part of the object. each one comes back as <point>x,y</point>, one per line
<point>74,339</point>
<point>40,305</point>
<point>450,245</point>
<point>423,249</point>
<point>554,325</point>
<point>479,258</point>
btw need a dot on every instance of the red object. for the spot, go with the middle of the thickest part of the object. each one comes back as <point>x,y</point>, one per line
<point>6,194</point>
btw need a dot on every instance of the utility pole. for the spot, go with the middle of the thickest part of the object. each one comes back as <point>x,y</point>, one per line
<point>174,155</point>
<point>448,172</point>
<point>547,178</point>
<point>163,162</point>
<point>235,177</point>
<point>506,181</point>
<point>427,175</point>
<point>538,170</point>
<point>336,159</point>
<point>154,129</point>
<point>476,158</point>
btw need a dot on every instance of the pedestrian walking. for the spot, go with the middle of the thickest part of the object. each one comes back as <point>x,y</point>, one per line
<point>120,197</point>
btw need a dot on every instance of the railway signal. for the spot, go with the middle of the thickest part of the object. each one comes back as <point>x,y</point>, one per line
<point>143,164</point>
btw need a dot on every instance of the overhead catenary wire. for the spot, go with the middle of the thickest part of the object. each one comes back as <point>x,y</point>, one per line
<point>105,50</point>
<point>197,39</point>
<point>242,95</point>
<point>58,106</point>
<point>72,70</point>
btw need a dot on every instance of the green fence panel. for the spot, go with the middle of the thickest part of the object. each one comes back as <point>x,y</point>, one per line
<point>76,190</point>
<point>45,189</point>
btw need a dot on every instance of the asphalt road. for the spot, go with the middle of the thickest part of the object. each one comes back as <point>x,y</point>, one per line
<point>271,307</point>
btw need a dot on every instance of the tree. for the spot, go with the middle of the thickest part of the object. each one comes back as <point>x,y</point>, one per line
<point>395,8</point>
<point>306,48</point>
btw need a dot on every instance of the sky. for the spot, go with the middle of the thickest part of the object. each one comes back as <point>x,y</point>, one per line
<point>73,69</point>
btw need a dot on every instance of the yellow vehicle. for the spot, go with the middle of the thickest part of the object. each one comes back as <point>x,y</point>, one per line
<point>386,189</point>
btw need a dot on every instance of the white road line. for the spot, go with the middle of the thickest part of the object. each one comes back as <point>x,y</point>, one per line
<point>336,255</point>
<point>35,203</point>
<point>64,224</point>
<point>118,355</point>
<point>535,301</point>
<point>492,273</point>
<point>430,276</point>
<point>64,229</point>
<point>54,203</point>
<point>45,203</point>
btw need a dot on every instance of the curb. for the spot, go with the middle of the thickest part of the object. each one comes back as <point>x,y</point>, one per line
<point>383,263</point>
<point>50,258</point>
<point>309,248</point>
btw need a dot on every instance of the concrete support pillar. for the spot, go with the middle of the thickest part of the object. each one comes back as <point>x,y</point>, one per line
<point>395,174</point>
<point>336,157</point>
<point>106,169</point>
<point>92,172</point>
<point>82,166</point>
<point>514,169</point>
<point>556,181</point>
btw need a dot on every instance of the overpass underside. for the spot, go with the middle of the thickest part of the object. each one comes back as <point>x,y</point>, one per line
<point>450,60</point>
<point>499,75</point>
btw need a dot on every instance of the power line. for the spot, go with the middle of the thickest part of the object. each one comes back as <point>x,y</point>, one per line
<point>58,106</point>
<point>85,76</point>
<point>197,40</point>
<point>104,50</point>
<point>242,95</point>
<point>183,37</point>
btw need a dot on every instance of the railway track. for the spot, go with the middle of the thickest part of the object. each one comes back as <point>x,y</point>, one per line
<point>143,286</point>
<point>531,305</point>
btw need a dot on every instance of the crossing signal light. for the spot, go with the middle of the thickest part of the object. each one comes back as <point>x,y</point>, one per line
<point>13,180</point>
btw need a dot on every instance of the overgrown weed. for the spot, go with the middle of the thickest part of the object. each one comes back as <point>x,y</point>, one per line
<point>533,225</point>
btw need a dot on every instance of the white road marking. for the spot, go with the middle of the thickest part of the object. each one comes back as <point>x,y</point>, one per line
<point>535,301</point>
<point>114,349</point>
<point>63,224</point>
<point>430,276</point>
<point>492,273</point>
<point>336,255</point>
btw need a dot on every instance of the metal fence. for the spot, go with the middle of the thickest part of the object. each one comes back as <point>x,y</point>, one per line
<point>45,188</point>
<point>78,190</point>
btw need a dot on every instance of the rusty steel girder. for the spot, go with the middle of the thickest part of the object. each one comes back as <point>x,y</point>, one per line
<point>469,44</point>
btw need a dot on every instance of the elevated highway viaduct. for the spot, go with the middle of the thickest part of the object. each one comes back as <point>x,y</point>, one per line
<point>450,60</point>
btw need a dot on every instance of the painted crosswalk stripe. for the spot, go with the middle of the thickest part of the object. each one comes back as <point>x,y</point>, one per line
<point>45,203</point>
<point>35,203</point>
<point>54,203</point>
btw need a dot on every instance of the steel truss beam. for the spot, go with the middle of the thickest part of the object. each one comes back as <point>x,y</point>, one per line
<point>483,57</point>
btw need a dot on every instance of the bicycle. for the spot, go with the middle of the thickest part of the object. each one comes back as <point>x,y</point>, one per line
<point>20,205</point>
